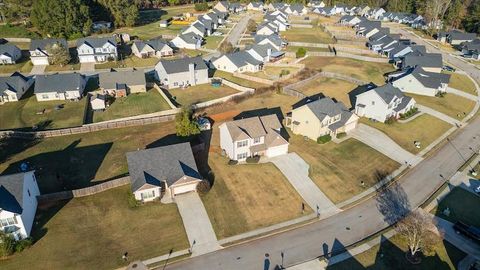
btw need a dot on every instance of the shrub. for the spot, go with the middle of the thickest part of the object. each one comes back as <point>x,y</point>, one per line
<point>441,94</point>
<point>76,35</point>
<point>341,135</point>
<point>201,6</point>
<point>324,139</point>
<point>7,245</point>
<point>390,120</point>
<point>226,47</point>
<point>203,187</point>
<point>132,202</point>
<point>254,159</point>
<point>284,72</point>
<point>232,162</point>
<point>408,113</point>
<point>251,26</point>
<point>301,52</point>
<point>23,244</point>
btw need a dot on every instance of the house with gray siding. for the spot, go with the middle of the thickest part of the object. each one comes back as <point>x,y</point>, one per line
<point>421,82</point>
<point>12,88</point>
<point>67,86</point>
<point>182,72</point>
<point>9,54</point>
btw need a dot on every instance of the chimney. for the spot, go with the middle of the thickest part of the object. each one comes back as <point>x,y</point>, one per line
<point>191,72</point>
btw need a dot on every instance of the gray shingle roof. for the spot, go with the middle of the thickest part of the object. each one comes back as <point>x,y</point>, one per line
<point>388,92</point>
<point>252,127</point>
<point>96,42</point>
<point>457,35</point>
<point>181,65</point>
<point>423,60</point>
<point>430,79</point>
<point>11,192</point>
<point>242,58</point>
<point>190,38</point>
<point>262,50</point>
<point>12,83</point>
<point>156,44</point>
<point>161,164</point>
<point>8,49</point>
<point>325,107</point>
<point>109,80</point>
<point>43,43</point>
<point>59,83</point>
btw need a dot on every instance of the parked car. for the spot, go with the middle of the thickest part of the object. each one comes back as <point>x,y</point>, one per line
<point>467,230</point>
<point>448,68</point>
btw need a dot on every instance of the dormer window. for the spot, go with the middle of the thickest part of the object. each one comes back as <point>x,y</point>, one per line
<point>257,140</point>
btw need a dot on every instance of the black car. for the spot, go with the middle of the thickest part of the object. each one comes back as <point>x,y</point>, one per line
<point>467,230</point>
<point>448,68</point>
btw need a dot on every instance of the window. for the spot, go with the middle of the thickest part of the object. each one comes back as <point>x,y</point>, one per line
<point>44,96</point>
<point>242,156</point>
<point>373,102</point>
<point>7,221</point>
<point>257,140</point>
<point>28,191</point>
<point>175,84</point>
<point>242,143</point>
<point>148,194</point>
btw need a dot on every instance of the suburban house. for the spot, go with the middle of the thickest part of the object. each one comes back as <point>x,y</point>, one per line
<point>314,117</point>
<point>253,136</point>
<point>12,88</point>
<point>455,37</point>
<point>163,172</point>
<point>67,86</point>
<point>96,49</point>
<point>471,49</point>
<point>376,13</point>
<point>266,29</point>
<point>122,83</point>
<point>431,62</point>
<point>9,54</point>
<point>296,9</point>
<point>421,82</point>
<point>382,103</point>
<point>98,102</point>
<point>265,53</point>
<point>235,8</point>
<point>350,20</point>
<point>39,49</point>
<point>257,6</point>
<point>154,47</point>
<point>237,62</point>
<point>190,41</point>
<point>182,72</point>
<point>273,40</point>
<point>197,28</point>
<point>222,6</point>
<point>18,203</point>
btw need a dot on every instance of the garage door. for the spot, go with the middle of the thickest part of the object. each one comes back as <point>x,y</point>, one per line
<point>350,126</point>
<point>40,62</point>
<point>277,151</point>
<point>184,188</point>
<point>87,59</point>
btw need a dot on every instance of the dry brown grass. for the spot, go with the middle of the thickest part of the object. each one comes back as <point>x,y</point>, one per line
<point>333,88</point>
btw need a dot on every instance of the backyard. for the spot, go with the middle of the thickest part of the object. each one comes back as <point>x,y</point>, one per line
<point>334,88</point>
<point>247,197</point>
<point>273,73</point>
<point>72,235</point>
<point>462,82</point>
<point>310,35</point>
<point>199,93</point>
<point>463,206</point>
<point>23,65</point>
<point>76,161</point>
<point>452,105</point>
<point>133,104</point>
<point>240,81</point>
<point>130,61</point>
<point>338,169</point>
<point>390,254</point>
<point>212,42</point>
<point>424,129</point>
<point>362,70</point>
<point>28,112</point>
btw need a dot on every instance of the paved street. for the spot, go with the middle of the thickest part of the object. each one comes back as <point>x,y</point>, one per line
<point>196,223</point>
<point>347,227</point>
<point>238,30</point>
<point>383,144</point>
<point>438,114</point>
<point>295,170</point>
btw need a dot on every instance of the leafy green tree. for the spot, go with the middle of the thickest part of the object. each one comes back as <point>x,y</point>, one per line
<point>59,18</point>
<point>226,47</point>
<point>251,26</point>
<point>7,245</point>
<point>173,2</point>
<point>58,55</point>
<point>301,52</point>
<point>14,10</point>
<point>185,125</point>
<point>472,20</point>
<point>123,12</point>
<point>201,6</point>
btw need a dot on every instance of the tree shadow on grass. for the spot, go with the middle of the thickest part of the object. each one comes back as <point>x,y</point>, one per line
<point>70,168</point>
<point>10,147</point>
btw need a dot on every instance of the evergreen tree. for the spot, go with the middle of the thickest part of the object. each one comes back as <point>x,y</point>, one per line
<point>185,125</point>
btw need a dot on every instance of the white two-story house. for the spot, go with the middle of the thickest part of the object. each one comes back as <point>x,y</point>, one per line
<point>94,50</point>
<point>18,203</point>
<point>182,72</point>
<point>421,82</point>
<point>254,136</point>
<point>382,103</point>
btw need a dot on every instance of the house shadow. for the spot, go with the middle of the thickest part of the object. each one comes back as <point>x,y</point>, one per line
<point>70,168</point>
<point>45,212</point>
<point>263,112</point>
<point>10,147</point>
<point>352,95</point>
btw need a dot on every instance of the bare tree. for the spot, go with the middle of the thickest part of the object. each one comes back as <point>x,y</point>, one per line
<point>434,12</point>
<point>418,229</point>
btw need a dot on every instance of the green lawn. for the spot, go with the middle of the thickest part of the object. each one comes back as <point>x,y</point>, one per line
<point>334,88</point>
<point>311,35</point>
<point>462,82</point>
<point>212,42</point>
<point>242,82</point>
<point>23,65</point>
<point>93,232</point>
<point>133,104</point>
<point>391,255</point>
<point>425,129</point>
<point>463,207</point>
<point>23,113</point>
<point>247,197</point>
<point>452,105</point>
<point>131,61</point>
<point>309,49</point>
<point>17,31</point>
<point>362,70</point>
<point>199,93</point>
<point>81,160</point>
<point>338,169</point>
<point>273,73</point>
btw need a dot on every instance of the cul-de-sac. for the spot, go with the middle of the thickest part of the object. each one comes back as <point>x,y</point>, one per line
<point>225,135</point>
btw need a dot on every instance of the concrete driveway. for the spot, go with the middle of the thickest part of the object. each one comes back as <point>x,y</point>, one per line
<point>438,114</point>
<point>295,170</point>
<point>197,224</point>
<point>237,31</point>
<point>38,69</point>
<point>87,67</point>
<point>462,94</point>
<point>383,144</point>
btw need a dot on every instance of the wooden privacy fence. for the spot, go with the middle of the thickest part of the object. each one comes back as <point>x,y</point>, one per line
<point>82,192</point>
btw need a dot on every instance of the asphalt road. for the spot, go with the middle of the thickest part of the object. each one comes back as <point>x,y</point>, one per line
<point>238,30</point>
<point>350,226</point>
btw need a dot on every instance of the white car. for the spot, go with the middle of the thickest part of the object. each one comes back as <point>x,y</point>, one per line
<point>217,34</point>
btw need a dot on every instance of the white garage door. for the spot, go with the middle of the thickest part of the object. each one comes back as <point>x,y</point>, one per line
<point>277,151</point>
<point>184,188</point>
<point>40,62</point>
<point>350,126</point>
<point>87,59</point>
